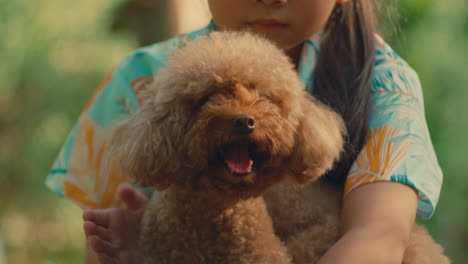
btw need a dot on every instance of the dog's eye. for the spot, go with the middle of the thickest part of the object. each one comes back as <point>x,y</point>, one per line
<point>201,102</point>
<point>276,99</point>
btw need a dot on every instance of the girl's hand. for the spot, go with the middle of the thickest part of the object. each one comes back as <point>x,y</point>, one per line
<point>377,219</point>
<point>113,233</point>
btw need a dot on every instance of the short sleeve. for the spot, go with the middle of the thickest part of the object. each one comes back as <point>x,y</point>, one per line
<point>76,172</point>
<point>398,146</point>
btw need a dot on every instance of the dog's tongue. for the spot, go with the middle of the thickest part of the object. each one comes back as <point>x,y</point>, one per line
<point>237,158</point>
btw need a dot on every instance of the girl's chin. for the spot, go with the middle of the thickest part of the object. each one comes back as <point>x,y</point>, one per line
<point>277,36</point>
<point>270,31</point>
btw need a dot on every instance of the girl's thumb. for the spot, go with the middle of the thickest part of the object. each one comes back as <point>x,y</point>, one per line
<point>131,197</point>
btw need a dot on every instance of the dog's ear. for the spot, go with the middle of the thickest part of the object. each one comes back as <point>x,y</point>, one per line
<point>143,148</point>
<point>319,141</point>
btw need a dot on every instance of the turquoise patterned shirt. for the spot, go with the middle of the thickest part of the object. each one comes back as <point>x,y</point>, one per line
<point>398,147</point>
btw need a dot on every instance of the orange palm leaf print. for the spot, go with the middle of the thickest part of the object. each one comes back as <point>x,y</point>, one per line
<point>381,156</point>
<point>91,182</point>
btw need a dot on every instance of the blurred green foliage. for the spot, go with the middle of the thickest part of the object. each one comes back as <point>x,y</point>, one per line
<point>55,53</point>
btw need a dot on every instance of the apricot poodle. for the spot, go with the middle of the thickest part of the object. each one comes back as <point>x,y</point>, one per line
<point>224,121</point>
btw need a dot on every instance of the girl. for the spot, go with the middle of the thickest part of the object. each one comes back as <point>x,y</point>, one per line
<point>342,62</point>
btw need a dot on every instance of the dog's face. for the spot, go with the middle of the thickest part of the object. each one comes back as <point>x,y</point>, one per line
<point>230,129</point>
<point>240,136</point>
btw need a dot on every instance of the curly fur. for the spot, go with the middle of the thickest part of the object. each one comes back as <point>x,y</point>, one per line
<point>175,143</point>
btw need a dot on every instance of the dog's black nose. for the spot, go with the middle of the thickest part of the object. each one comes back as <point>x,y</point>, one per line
<point>244,124</point>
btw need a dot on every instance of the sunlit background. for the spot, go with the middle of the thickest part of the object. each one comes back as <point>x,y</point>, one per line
<point>54,53</point>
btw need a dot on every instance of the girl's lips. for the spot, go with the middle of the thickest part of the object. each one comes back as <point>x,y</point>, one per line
<point>266,25</point>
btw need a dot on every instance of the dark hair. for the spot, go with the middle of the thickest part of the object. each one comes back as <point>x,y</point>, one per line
<point>342,77</point>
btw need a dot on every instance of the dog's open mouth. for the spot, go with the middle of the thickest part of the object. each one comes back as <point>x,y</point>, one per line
<point>239,157</point>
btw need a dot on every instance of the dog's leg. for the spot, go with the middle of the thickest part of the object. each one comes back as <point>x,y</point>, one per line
<point>309,245</point>
<point>306,218</point>
<point>250,235</point>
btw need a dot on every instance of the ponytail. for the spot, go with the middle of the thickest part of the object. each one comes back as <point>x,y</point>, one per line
<point>342,77</point>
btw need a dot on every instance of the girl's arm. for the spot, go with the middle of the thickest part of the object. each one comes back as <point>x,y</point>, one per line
<point>377,219</point>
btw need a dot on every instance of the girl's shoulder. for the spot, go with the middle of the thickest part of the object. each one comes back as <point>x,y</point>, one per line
<point>392,74</point>
<point>386,57</point>
<point>146,61</point>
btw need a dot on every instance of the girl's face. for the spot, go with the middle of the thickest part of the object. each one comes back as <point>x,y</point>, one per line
<point>288,23</point>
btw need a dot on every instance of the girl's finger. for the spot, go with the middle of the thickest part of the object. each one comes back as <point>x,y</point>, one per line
<point>102,247</point>
<point>132,198</point>
<point>99,217</point>
<point>92,229</point>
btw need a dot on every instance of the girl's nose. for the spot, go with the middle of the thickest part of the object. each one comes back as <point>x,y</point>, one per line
<point>271,2</point>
